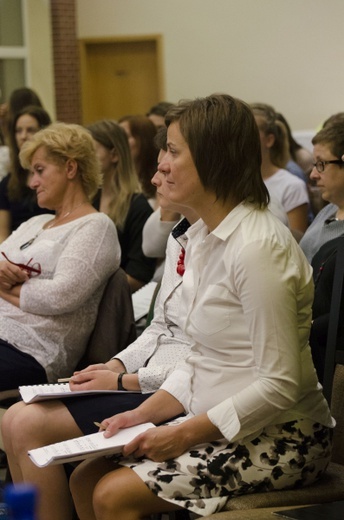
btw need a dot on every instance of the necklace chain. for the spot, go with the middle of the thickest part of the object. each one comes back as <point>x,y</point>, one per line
<point>65,215</point>
<point>29,242</point>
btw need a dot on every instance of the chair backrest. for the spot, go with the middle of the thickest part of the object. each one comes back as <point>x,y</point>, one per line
<point>150,314</point>
<point>115,325</point>
<point>332,353</point>
<point>337,411</point>
<point>333,381</point>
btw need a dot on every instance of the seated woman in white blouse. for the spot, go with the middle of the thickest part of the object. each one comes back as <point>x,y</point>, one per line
<point>54,268</point>
<point>143,366</point>
<point>256,417</point>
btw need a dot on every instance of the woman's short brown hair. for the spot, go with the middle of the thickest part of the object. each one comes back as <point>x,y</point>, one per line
<point>332,135</point>
<point>223,138</point>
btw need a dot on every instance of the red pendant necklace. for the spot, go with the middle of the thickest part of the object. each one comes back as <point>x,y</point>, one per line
<point>180,263</point>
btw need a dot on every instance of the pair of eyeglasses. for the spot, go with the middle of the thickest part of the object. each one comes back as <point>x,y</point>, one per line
<point>320,165</point>
<point>31,270</point>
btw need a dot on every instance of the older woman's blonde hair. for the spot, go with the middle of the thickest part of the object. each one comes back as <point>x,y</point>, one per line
<point>62,142</point>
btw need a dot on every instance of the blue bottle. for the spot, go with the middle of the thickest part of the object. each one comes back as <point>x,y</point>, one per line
<point>21,501</point>
<point>3,511</point>
<point>3,506</point>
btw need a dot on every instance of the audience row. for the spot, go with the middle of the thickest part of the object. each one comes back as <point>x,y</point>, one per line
<point>225,370</point>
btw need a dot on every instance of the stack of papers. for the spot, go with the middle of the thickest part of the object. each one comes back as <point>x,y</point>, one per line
<point>80,448</point>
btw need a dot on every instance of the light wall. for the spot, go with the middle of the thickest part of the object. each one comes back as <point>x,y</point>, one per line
<point>40,71</point>
<point>289,53</point>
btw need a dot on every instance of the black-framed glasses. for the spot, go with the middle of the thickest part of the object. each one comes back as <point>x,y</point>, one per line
<point>31,270</point>
<point>320,165</point>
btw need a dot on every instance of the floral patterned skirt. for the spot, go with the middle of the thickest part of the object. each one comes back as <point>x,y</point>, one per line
<point>201,480</point>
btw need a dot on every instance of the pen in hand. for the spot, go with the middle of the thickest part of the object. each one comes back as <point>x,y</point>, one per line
<point>99,425</point>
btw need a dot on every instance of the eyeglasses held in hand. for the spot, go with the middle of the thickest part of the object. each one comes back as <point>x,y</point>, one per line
<point>31,270</point>
<point>320,165</point>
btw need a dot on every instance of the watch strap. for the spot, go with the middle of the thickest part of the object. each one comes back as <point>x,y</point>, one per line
<point>119,381</point>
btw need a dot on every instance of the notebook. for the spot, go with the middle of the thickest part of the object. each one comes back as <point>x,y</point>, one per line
<point>142,300</point>
<point>33,393</point>
<point>87,446</point>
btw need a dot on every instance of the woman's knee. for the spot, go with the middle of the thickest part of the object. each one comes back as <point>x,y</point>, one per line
<point>116,491</point>
<point>76,479</point>
<point>9,421</point>
<point>22,424</point>
<point>86,475</point>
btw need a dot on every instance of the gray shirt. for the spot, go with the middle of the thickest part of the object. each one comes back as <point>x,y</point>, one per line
<point>322,229</point>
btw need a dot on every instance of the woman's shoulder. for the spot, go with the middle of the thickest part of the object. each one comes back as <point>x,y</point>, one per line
<point>97,219</point>
<point>328,248</point>
<point>5,179</point>
<point>40,219</point>
<point>296,169</point>
<point>326,212</point>
<point>139,204</point>
<point>289,178</point>
<point>312,232</point>
<point>95,224</point>
<point>94,230</point>
<point>260,225</point>
<point>4,200</point>
<point>4,182</point>
<point>139,199</point>
<point>33,224</point>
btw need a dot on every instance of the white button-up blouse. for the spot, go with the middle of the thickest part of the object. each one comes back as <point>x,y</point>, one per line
<point>246,303</point>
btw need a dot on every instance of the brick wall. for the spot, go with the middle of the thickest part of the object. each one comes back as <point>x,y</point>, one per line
<point>66,61</point>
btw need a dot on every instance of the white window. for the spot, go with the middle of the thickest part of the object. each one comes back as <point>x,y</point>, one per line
<point>13,50</point>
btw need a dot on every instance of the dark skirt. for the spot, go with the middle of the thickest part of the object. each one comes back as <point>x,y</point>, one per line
<point>18,368</point>
<point>88,409</point>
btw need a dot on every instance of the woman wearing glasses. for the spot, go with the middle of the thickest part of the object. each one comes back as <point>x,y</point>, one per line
<point>324,264</point>
<point>328,173</point>
<point>54,269</point>
<point>321,240</point>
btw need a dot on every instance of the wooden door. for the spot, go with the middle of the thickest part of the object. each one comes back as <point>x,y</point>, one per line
<point>119,77</point>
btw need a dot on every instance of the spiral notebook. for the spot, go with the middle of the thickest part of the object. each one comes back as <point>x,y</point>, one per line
<point>33,393</point>
<point>142,300</point>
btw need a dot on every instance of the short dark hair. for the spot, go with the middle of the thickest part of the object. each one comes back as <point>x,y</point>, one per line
<point>334,118</point>
<point>224,142</point>
<point>42,117</point>
<point>21,98</point>
<point>160,109</point>
<point>332,135</point>
<point>17,184</point>
<point>160,139</point>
